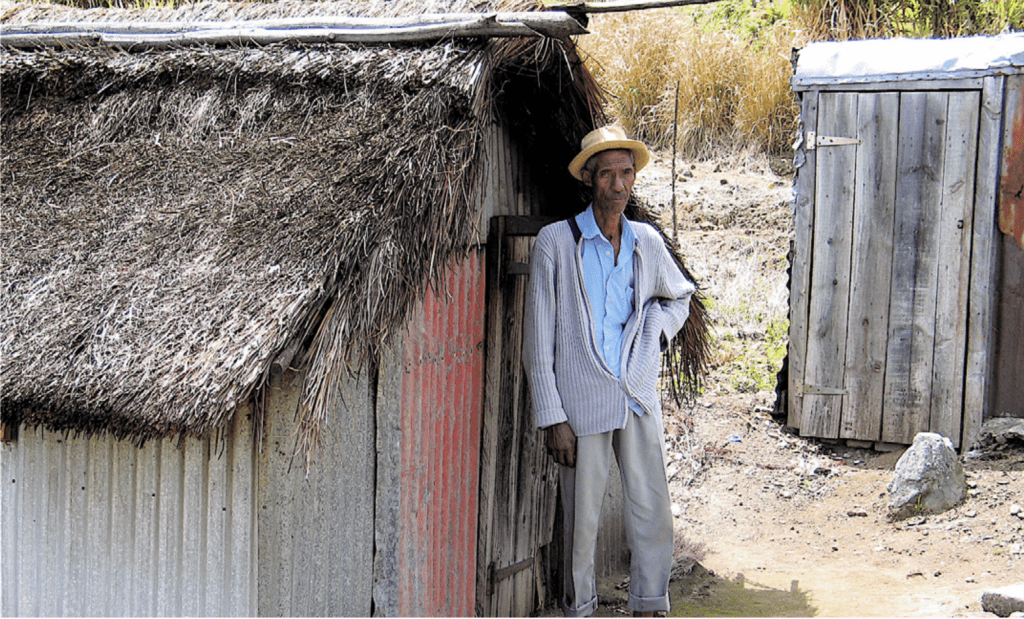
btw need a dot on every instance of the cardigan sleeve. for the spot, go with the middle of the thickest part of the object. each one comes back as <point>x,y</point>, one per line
<point>674,292</point>
<point>539,335</point>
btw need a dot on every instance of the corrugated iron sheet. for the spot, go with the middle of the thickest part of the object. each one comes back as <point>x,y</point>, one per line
<point>315,531</point>
<point>100,527</point>
<point>877,60</point>
<point>1011,182</point>
<point>442,400</point>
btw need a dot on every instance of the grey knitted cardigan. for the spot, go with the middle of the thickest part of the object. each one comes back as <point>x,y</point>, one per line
<point>568,378</point>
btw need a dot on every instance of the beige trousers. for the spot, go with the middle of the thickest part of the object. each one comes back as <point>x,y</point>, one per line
<point>639,449</point>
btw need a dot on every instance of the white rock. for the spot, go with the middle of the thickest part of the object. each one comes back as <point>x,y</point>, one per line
<point>929,478</point>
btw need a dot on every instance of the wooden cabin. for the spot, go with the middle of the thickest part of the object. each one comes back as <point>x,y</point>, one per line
<point>261,310</point>
<point>907,290</point>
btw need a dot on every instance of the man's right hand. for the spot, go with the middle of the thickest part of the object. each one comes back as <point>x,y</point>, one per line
<point>561,444</point>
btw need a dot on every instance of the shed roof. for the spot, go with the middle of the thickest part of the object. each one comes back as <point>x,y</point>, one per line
<point>173,220</point>
<point>880,60</point>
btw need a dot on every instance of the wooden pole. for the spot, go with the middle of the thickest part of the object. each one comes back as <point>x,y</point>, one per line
<point>158,35</point>
<point>618,6</point>
<point>675,126</point>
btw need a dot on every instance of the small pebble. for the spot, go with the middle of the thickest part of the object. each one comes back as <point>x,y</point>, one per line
<point>1014,509</point>
<point>971,514</point>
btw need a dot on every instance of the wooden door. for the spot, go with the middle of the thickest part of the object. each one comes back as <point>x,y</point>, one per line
<point>883,348</point>
<point>518,554</point>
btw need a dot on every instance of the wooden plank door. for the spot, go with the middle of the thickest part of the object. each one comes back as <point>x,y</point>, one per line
<point>890,257</point>
<point>516,556</point>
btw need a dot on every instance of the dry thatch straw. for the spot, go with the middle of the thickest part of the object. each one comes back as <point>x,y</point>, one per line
<point>172,221</point>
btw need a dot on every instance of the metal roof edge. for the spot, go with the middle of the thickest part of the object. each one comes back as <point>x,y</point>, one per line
<point>808,83</point>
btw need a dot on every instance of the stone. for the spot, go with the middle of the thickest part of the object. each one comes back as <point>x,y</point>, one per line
<point>1005,601</point>
<point>1000,430</point>
<point>928,479</point>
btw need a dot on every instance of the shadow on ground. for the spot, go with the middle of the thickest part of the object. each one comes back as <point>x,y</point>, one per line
<point>702,593</point>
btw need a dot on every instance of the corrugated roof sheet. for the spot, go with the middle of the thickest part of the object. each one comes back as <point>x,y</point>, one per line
<point>909,59</point>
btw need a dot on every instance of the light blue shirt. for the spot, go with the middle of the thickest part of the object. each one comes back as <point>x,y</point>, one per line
<point>609,288</point>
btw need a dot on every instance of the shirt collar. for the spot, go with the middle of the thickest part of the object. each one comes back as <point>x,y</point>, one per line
<point>590,230</point>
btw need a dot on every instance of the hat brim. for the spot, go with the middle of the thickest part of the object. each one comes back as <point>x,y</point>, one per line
<point>641,155</point>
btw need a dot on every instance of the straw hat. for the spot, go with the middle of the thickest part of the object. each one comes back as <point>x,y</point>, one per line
<point>609,137</point>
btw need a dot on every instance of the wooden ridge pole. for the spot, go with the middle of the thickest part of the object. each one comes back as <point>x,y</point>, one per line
<point>158,35</point>
<point>618,6</point>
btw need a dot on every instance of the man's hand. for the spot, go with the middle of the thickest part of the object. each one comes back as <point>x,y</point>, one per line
<point>562,444</point>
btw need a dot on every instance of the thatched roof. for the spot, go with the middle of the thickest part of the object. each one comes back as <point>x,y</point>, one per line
<point>173,221</point>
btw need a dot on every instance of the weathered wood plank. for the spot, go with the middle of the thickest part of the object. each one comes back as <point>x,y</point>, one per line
<point>508,453</point>
<point>915,266</point>
<point>871,267</point>
<point>490,429</point>
<point>981,320</point>
<point>954,264</point>
<point>800,276</point>
<point>872,84</point>
<point>830,267</point>
<point>509,592</point>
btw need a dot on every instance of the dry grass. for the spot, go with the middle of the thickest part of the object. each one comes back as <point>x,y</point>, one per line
<point>842,20</point>
<point>733,95</point>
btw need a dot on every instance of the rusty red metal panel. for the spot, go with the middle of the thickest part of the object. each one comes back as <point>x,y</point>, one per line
<point>1011,181</point>
<point>442,403</point>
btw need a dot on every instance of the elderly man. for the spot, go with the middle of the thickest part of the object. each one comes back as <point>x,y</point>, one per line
<point>605,297</point>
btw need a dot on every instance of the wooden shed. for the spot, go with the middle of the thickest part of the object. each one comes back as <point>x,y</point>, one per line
<point>261,306</point>
<point>907,290</point>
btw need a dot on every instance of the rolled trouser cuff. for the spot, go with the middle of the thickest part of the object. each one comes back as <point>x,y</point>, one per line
<point>583,610</point>
<point>648,604</point>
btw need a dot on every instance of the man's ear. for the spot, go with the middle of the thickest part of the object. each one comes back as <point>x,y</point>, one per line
<point>586,177</point>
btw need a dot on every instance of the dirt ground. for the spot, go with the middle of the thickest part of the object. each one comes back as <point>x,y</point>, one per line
<point>791,526</point>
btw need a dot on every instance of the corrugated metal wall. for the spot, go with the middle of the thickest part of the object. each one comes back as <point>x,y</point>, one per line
<point>1011,178</point>
<point>316,530</point>
<point>1008,398</point>
<point>99,527</point>
<point>441,404</point>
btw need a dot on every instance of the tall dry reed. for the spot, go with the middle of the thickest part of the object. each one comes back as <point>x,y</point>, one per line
<point>734,94</point>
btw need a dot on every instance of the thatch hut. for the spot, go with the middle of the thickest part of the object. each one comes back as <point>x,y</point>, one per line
<point>261,316</point>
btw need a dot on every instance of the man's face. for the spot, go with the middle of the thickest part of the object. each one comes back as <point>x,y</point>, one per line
<point>611,181</point>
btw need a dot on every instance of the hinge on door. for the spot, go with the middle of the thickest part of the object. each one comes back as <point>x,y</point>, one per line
<point>501,573</point>
<point>814,140</point>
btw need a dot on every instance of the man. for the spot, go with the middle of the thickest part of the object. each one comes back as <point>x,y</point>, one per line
<point>604,298</point>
